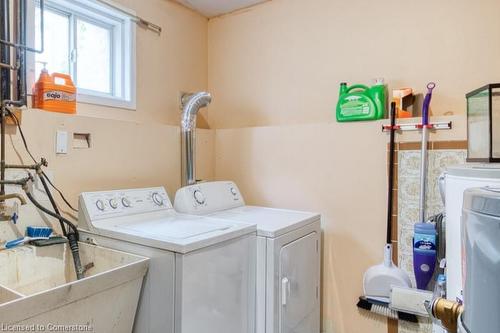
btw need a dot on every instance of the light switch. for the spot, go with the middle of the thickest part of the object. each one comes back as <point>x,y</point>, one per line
<point>61,142</point>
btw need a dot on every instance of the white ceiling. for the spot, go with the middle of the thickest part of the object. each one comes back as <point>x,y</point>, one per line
<point>211,8</point>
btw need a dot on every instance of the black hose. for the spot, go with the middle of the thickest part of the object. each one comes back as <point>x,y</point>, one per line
<point>25,143</point>
<point>53,203</point>
<point>73,244</point>
<point>48,212</point>
<point>72,236</point>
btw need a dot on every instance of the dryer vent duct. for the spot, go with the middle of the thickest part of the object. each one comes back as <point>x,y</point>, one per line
<point>191,104</point>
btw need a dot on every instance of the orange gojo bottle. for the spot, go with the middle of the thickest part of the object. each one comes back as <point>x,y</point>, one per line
<point>55,93</point>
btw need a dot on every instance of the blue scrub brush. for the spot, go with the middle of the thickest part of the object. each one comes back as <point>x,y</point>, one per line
<point>32,234</point>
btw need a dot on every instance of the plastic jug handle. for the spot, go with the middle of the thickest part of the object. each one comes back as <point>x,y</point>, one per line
<point>65,77</point>
<point>357,86</point>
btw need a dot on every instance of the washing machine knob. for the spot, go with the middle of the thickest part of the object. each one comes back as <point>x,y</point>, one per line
<point>157,199</point>
<point>100,204</point>
<point>113,203</point>
<point>233,191</point>
<point>126,202</point>
<point>199,197</point>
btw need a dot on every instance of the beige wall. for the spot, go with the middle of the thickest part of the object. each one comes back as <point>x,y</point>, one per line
<point>274,71</point>
<point>282,62</point>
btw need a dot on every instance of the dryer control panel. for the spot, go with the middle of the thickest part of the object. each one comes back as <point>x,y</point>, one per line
<point>209,197</point>
<point>117,203</point>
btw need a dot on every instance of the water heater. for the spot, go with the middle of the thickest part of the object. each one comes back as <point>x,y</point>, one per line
<point>481,245</point>
<point>457,180</point>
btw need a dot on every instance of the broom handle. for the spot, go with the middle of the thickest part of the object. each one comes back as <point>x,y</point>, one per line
<point>423,174</point>
<point>423,151</point>
<point>391,173</point>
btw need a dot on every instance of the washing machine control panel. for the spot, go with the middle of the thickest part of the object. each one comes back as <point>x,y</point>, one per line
<point>208,197</point>
<point>106,204</point>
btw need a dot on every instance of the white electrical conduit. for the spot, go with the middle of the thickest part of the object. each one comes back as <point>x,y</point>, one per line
<point>138,20</point>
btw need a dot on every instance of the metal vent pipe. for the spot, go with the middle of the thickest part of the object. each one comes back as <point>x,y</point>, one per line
<point>191,104</point>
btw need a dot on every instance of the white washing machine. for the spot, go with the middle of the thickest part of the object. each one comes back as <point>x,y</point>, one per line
<point>288,254</point>
<point>457,180</point>
<point>201,276</point>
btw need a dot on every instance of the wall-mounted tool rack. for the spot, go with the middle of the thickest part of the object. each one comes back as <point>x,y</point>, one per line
<point>443,125</point>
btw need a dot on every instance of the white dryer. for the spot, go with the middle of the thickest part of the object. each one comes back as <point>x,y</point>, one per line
<point>201,276</point>
<point>288,254</point>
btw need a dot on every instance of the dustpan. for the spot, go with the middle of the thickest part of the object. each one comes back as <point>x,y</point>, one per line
<point>379,279</point>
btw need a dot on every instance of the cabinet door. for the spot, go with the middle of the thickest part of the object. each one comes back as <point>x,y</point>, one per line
<point>299,285</point>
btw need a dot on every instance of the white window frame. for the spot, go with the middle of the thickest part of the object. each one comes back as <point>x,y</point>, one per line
<point>123,64</point>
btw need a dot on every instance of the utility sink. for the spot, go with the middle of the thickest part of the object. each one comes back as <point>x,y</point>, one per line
<point>39,290</point>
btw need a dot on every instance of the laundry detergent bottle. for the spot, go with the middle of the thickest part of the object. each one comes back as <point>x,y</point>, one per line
<point>360,102</point>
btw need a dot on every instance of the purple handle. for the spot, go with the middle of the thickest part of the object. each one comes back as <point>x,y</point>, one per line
<point>427,103</point>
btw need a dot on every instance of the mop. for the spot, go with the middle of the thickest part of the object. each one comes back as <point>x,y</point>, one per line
<point>425,235</point>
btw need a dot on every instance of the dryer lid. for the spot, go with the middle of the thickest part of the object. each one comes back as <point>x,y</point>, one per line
<point>271,222</point>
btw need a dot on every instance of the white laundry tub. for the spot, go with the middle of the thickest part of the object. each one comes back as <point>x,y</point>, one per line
<point>39,290</point>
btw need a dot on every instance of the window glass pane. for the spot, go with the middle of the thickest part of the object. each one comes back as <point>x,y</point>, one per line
<point>93,44</point>
<point>56,48</point>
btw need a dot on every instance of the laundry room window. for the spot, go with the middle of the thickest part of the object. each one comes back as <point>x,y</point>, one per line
<point>94,43</point>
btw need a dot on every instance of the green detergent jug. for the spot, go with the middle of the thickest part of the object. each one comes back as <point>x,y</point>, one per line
<point>359,102</point>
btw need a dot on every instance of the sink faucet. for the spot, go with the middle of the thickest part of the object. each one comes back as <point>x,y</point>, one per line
<point>18,196</point>
<point>10,213</point>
